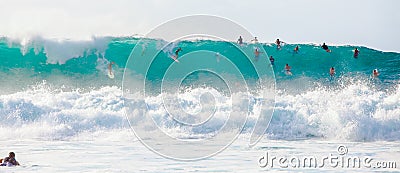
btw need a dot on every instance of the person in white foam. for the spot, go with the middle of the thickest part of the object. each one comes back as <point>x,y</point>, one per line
<point>10,160</point>
<point>375,73</point>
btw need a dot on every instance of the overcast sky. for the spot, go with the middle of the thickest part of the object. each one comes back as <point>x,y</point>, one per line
<point>373,23</point>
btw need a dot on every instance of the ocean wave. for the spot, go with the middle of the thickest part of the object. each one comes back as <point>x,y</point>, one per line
<point>61,89</point>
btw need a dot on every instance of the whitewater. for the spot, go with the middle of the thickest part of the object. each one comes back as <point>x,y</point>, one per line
<point>60,112</point>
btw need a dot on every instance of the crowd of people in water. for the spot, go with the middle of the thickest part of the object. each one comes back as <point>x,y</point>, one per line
<point>287,68</point>
<point>257,53</point>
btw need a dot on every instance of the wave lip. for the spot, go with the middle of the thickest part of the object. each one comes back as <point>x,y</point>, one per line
<point>60,51</point>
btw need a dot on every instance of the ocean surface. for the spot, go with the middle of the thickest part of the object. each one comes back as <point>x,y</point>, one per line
<point>61,112</point>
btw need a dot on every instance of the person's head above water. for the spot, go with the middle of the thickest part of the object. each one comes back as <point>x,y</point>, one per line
<point>375,73</point>
<point>11,154</point>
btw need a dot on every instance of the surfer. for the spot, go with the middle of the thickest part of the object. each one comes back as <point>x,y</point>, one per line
<point>10,160</point>
<point>325,47</point>
<point>332,71</point>
<point>110,68</point>
<point>375,73</point>
<point>296,49</point>
<point>287,69</point>
<point>272,60</point>
<point>240,40</point>
<point>278,43</point>
<point>177,52</point>
<point>356,52</point>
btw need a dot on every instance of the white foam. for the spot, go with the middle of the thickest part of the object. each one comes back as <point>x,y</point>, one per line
<point>354,112</point>
<point>44,113</point>
<point>61,50</point>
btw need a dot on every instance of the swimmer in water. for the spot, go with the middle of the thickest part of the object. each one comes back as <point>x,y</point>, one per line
<point>256,53</point>
<point>278,43</point>
<point>356,52</point>
<point>240,40</point>
<point>325,47</point>
<point>272,60</point>
<point>375,73</point>
<point>10,160</point>
<point>332,71</point>
<point>287,69</point>
<point>296,49</point>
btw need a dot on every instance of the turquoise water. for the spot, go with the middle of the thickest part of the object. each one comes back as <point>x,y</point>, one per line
<point>60,89</point>
<point>42,59</point>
